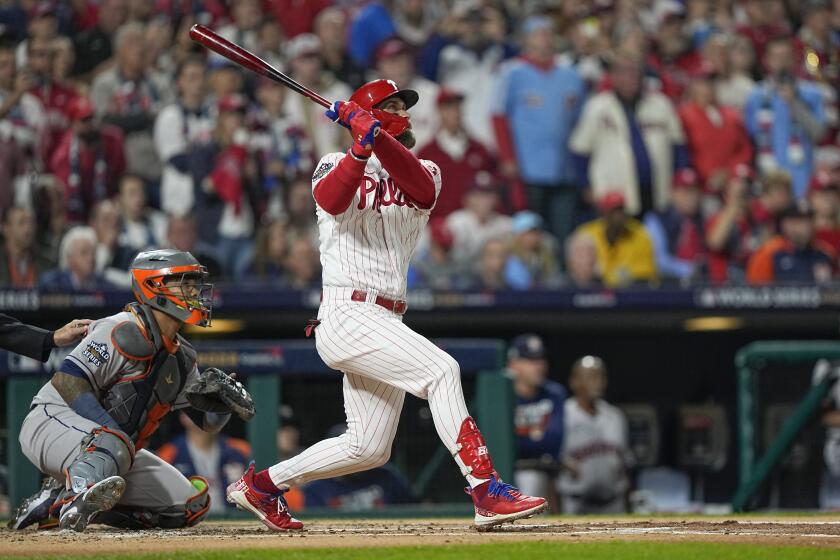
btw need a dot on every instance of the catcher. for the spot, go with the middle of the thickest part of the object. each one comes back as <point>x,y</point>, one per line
<point>88,426</point>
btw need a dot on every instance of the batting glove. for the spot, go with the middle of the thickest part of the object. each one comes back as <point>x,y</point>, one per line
<point>363,127</point>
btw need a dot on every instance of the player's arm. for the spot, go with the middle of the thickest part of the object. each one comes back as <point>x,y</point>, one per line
<point>78,394</point>
<point>407,171</point>
<point>335,191</point>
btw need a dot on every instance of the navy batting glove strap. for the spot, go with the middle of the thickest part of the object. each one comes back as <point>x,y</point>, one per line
<point>333,114</point>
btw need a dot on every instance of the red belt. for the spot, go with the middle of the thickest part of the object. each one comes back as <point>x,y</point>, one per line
<point>397,306</point>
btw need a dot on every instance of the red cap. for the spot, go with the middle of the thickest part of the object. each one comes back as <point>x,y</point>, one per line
<point>390,48</point>
<point>611,201</point>
<point>445,95</point>
<point>741,171</point>
<point>821,180</point>
<point>231,103</point>
<point>42,9</point>
<point>80,108</point>
<point>686,177</point>
<point>440,234</point>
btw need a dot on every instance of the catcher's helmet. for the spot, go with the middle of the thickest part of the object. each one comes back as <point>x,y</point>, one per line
<point>373,93</point>
<point>175,283</point>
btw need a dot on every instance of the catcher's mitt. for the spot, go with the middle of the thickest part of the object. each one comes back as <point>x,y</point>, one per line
<point>216,391</point>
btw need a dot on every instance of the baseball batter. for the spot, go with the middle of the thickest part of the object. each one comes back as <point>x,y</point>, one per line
<point>88,425</point>
<point>372,205</point>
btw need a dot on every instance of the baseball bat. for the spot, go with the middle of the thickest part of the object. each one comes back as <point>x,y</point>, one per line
<point>207,37</point>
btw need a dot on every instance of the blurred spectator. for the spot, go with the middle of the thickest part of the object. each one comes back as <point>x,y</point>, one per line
<point>304,53</point>
<point>731,234</point>
<point>64,56</point>
<point>112,260</point>
<point>269,255</point>
<point>57,99</point>
<point>42,25</point>
<point>94,45</point>
<point>244,22</point>
<point>433,267</point>
<point>533,260</point>
<point>459,156</point>
<point>302,265</point>
<point>161,65</point>
<point>270,42</point>
<point>282,147</point>
<point>296,17</point>
<point>830,420</point>
<point>469,65</point>
<point>288,436</point>
<point>22,123</point>
<point>582,261</point>
<point>88,162</point>
<point>218,458</point>
<point>824,198</point>
<point>716,137</point>
<point>537,103</point>
<point>489,272</point>
<point>224,178</point>
<point>785,117</point>
<point>595,447</point>
<point>299,210</point>
<point>763,23</point>
<point>126,97</point>
<point>370,26</point>
<point>142,227</point>
<point>677,233</point>
<point>178,127</point>
<point>793,255</point>
<point>225,79</point>
<point>538,416</point>
<point>417,20</point>
<point>817,44</point>
<point>672,56</point>
<point>331,29</point>
<point>588,44</point>
<point>731,61</point>
<point>479,220</point>
<point>774,197</point>
<point>394,61</point>
<point>624,248</point>
<point>182,234</point>
<point>76,264</point>
<point>21,264</point>
<point>630,138</point>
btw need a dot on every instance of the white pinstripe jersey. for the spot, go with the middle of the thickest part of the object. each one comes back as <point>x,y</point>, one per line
<point>369,245</point>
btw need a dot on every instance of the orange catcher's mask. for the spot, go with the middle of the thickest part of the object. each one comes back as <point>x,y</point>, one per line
<point>175,283</point>
<point>373,93</point>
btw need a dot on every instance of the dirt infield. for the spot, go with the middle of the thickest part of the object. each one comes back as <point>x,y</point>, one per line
<point>787,531</point>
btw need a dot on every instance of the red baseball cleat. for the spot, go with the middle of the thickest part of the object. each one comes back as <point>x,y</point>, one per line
<point>497,502</point>
<point>270,508</point>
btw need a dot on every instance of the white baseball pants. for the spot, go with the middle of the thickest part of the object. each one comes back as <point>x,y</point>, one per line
<point>381,359</point>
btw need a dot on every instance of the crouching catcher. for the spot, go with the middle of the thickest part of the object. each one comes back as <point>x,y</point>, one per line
<point>88,426</point>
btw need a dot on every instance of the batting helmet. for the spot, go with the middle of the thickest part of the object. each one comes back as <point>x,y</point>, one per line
<point>175,283</point>
<point>373,93</point>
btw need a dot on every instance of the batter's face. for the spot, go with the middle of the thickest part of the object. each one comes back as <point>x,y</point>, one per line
<point>397,106</point>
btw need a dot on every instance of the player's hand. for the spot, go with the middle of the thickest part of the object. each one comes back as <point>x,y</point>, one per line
<point>363,127</point>
<point>72,332</point>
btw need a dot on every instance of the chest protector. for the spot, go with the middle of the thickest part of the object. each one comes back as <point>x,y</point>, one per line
<point>138,401</point>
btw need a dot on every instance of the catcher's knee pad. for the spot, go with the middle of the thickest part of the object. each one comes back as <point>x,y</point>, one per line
<point>105,452</point>
<point>173,517</point>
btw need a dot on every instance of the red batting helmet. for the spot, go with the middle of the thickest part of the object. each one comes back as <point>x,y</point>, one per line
<point>373,93</point>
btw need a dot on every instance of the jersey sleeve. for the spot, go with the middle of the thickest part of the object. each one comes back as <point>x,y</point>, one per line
<point>95,358</point>
<point>325,166</point>
<point>434,170</point>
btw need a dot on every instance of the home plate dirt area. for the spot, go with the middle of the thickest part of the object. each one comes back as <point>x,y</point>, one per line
<point>807,530</point>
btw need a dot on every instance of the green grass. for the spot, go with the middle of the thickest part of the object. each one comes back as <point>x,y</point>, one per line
<point>622,550</point>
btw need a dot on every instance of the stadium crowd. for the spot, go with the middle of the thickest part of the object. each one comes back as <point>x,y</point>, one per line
<point>582,143</point>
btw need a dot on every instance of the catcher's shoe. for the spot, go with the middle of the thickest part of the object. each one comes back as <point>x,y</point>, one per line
<point>36,508</point>
<point>497,502</point>
<point>271,509</point>
<point>78,512</point>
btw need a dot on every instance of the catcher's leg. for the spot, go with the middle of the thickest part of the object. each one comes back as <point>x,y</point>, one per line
<point>158,495</point>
